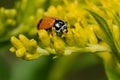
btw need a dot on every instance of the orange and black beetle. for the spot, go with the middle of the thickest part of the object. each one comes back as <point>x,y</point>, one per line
<point>49,22</point>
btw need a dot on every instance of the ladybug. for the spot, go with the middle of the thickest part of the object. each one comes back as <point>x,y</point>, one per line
<point>52,22</point>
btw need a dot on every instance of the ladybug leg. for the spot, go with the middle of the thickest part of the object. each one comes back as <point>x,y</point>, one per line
<point>59,33</point>
<point>49,30</point>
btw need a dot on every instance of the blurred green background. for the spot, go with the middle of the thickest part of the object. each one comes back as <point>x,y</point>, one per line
<point>74,67</point>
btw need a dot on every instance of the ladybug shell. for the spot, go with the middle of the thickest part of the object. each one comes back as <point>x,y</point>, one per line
<point>47,22</point>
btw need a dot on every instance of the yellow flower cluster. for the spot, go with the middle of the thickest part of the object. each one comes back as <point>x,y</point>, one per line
<point>84,34</point>
<point>7,19</point>
<point>25,48</point>
<point>76,40</point>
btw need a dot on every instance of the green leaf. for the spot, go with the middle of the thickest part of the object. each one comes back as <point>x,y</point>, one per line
<point>109,38</point>
<point>117,18</point>
<point>111,66</point>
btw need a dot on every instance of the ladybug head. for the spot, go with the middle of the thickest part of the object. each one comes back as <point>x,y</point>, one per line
<point>60,26</point>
